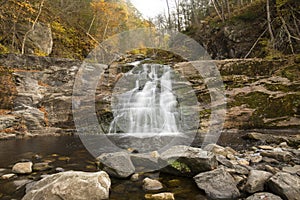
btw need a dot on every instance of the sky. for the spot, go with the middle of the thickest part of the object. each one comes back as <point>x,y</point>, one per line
<point>150,8</point>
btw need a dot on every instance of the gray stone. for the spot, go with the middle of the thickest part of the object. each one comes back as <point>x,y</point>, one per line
<point>285,185</point>
<point>151,184</point>
<point>117,164</point>
<point>264,196</point>
<point>8,176</point>
<point>187,160</point>
<point>71,185</point>
<point>7,121</point>
<point>217,184</point>
<point>256,181</point>
<point>22,168</point>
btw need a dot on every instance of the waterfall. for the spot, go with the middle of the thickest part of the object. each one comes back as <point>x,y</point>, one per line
<point>144,104</point>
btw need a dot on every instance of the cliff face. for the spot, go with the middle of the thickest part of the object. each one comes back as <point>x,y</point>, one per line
<point>36,94</point>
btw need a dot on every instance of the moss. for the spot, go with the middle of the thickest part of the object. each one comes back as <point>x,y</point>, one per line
<point>282,88</point>
<point>180,166</point>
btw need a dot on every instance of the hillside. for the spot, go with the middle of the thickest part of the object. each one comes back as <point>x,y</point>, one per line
<point>245,31</point>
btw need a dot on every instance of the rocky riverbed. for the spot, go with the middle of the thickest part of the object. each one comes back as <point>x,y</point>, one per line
<point>268,170</point>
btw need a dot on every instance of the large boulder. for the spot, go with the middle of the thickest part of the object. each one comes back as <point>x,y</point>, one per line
<point>285,185</point>
<point>218,184</point>
<point>71,185</point>
<point>256,181</point>
<point>117,164</point>
<point>189,161</point>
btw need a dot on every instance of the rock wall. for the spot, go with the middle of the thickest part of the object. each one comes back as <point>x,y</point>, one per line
<point>36,94</point>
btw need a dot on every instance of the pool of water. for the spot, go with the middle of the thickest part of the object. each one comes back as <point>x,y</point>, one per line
<point>69,153</point>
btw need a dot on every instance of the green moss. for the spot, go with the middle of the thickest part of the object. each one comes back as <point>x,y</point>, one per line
<point>291,72</point>
<point>180,166</point>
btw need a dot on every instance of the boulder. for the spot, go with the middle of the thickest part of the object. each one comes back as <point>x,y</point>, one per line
<point>285,185</point>
<point>71,185</point>
<point>292,170</point>
<point>283,156</point>
<point>188,161</point>
<point>256,181</point>
<point>217,184</point>
<point>117,164</point>
<point>22,168</point>
<point>151,184</point>
<point>264,195</point>
<point>160,196</point>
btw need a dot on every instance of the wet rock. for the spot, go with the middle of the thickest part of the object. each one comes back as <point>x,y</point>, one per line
<point>285,185</point>
<point>266,147</point>
<point>59,169</point>
<point>217,184</point>
<point>160,196</point>
<point>292,170</point>
<point>41,166</point>
<point>256,181</point>
<point>151,184</point>
<point>22,168</point>
<point>264,196</point>
<point>187,161</point>
<point>117,164</point>
<point>71,185</point>
<point>8,176</point>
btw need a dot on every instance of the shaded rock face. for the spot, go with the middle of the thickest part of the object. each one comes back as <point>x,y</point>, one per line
<point>256,181</point>
<point>71,185</point>
<point>217,184</point>
<point>260,94</point>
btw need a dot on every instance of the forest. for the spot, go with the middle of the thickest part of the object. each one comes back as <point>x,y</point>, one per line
<point>226,28</point>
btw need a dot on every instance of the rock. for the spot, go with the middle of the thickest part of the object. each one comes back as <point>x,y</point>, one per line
<point>151,184</point>
<point>8,121</point>
<point>284,145</point>
<point>59,169</point>
<point>280,156</point>
<point>256,181</point>
<point>22,168</point>
<point>8,176</point>
<point>265,147</point>
<point>269,138</point>
<point>187,161</point>
<point>222,160</point>
<point>160,196</point>
<point>135,177</point>
<point>270,160</point>
<point>285,185</point>
<point>243,162</point>
<point>117,164</point>
<point>41,166</point>
<point>216,149</point>
<point>292,170</point>
<point>71,185</point>
<point>256,159</point>
<point>271,169</point>
<point>144,162</point>
<point>217,184</point>
<point>264,196</point>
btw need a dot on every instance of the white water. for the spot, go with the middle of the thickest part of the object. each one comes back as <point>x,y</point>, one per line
<point>150,107</point>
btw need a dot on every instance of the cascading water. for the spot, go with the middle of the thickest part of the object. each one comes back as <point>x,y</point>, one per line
<point>149,107</point>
